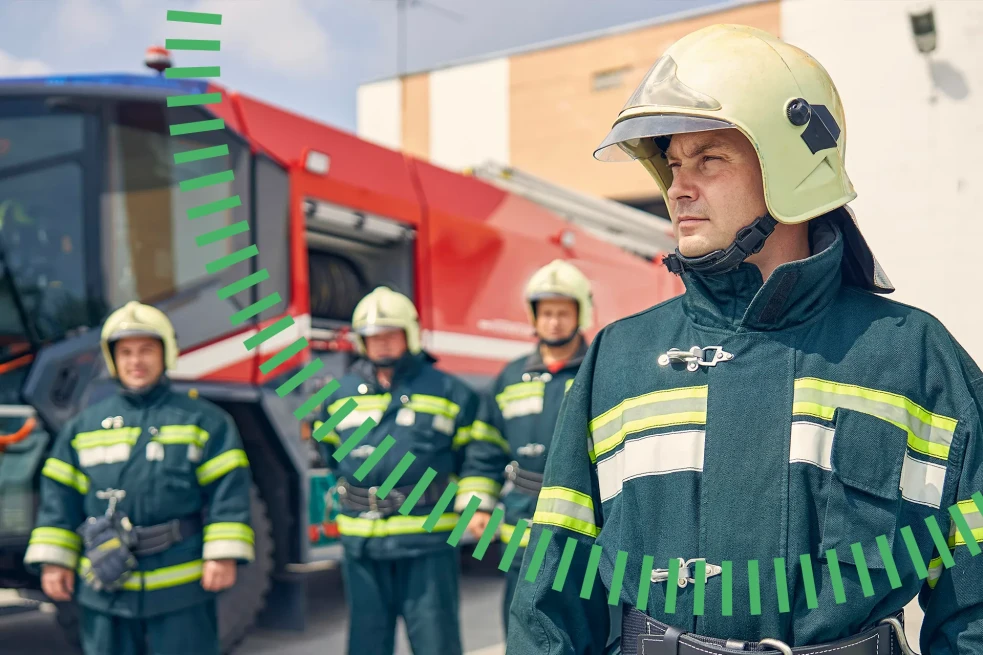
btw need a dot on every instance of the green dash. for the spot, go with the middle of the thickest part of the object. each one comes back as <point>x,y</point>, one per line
<point>536,562</point>
<point>445,500</point>
<point>839,593</point>
<point>620,562</point>
<point>964,530</point>
<point>390,482</point>
<point>488,534</point>
<point>352,441</point>
<point>978,499</point>
<point>699,586</point>
<point>914,553</point>
<point>247,282</point>
<point>232,259</point>
<point>590,572</point>
<point>812,602</point>
<point>727,588</point>
<point>672,586</point>
<point>322,395</point>
<point>199,153</point>
<point>222,233</point>
<point>194,127</point>
<point>781,582</point>
<point>888,559</point>
<point>417,492</point>
<point>204,181</point>
<point>185,72</point>
<point>644,583</point>
<point>940,542</point>
<point>269,331</point>
<point>462,522</point>
<point>195,100</point>
<point>176,16</point>
<point>210,45</point>
<point>257,307</point>
<point>754,587</point>
<point>376,457</point>
<point>561,574</point>
<point>861,561</point>
<point>513,545</point>
<point>300,377</point>
<point>214,207</point>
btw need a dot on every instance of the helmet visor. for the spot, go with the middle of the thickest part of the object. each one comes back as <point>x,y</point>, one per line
<point>635,137</point>
<point>128,333</point>
<point>375,329</point>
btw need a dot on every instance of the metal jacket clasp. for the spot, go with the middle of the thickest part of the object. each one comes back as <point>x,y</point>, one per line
<point>696,357</point>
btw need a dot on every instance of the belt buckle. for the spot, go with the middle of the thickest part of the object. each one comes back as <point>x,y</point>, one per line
<point>780,646</point>
<point>898,634</point>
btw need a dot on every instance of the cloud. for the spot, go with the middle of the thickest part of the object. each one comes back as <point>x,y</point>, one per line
<point>11,66</point>
<point>284,37</point>
<point>83,23</point>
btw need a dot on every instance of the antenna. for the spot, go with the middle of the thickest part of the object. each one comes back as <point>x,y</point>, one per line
<point>401,6</point>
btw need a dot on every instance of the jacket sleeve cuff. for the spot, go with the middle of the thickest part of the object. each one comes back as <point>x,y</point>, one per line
<point>40,554</point>
<point>228,541</point>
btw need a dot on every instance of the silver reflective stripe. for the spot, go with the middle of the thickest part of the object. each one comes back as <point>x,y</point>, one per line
<point>51,554</point>
<point>811,444</point>
<point>922,482</point>
<point>654,455</point>
<point>522,407</point>
<point>357,417</point>
<point>96,455</point>
<point>553,505</point>
<point>227,549</point>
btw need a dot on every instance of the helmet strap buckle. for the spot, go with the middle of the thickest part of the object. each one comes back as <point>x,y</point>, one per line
<point>749,240</point>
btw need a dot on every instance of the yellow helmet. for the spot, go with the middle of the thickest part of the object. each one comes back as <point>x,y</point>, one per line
<point>561,279</point>
<point>135,319</point>
<point>384,309</point>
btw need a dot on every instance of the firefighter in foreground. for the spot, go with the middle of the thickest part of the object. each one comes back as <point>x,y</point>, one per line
<point>146,494</point>
<point>529,390</point>
<point>779,408</point>
<point>393,566</point>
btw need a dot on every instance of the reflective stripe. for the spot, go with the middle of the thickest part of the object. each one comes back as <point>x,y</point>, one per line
<point>66,474</point>
<point>568,384</point>
<point>96,455</point>
<point>522,407</point>
<point>51,554</point>
<point>394,525</point>
<point>218,466</point>
<point>566,508</point>
<point>481,431</point>
<point>935,568</point>
<point>475,484</point>
<point>228,531</point>
<point>163,578</point>
<point>332,438</point>
<point>57,537</point>
<point>84,440</point>
<point>433,405</point>
<point>182,434</point>
<point>462,437</point>
<point>921,482</point>
<point>657,454</point>
<point>652,410</point>
<point>974,520</point>
<point>520,390</point>
<point>928,433</point>
<point>368,407</point>
<point>505,536</point>
<point>220,549</point>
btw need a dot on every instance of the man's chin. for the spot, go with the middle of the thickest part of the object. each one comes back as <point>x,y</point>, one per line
<point>694,246</point>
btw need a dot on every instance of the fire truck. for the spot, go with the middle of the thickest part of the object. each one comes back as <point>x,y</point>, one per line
<point>92,214</point>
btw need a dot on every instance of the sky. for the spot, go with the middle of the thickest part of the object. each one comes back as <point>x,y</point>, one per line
<point>308,56</point>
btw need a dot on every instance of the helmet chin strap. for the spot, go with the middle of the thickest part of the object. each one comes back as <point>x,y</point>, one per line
<point>559,343</point>
<point>749,241</point>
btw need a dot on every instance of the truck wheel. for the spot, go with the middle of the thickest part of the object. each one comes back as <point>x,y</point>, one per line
<point>239,606</point>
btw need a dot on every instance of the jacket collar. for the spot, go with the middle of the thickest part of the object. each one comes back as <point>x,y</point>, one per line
<point>794,293</point>
<point>147,396</point>
<point>405,369</point>
<point>535,363</point>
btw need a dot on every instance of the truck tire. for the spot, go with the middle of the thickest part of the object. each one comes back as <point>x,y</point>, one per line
<point>238,607</point>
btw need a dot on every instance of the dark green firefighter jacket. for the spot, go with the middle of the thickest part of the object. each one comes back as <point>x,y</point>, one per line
<point>831,417</point>
<point>441,422</point>
<point>175,457</point>
<point>527,402</point>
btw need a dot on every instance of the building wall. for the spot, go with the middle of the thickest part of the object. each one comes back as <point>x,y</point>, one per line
<point>379,113</point>
<point>912,150</point>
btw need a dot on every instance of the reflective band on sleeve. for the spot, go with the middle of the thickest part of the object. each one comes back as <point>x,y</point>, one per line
<point>928,433</point>
<point>433,405</point>
<point>507,532</point>
<point>974,521</point>
<point>481,431</point>
<point>332,438</point>
<point>220,549</point>
<point>566,508</point>
<point>218,466</point>
<point>66,474</point>
<point>182,434</point>
<point>53,546</point>
<point>462,438</point>
<point>394,525</point>
<point>228,531</point>
<point>475,484</point>
<point>659,454</point>
<point>686,406</point>
<point>935,568</point>
<point>57,537</point>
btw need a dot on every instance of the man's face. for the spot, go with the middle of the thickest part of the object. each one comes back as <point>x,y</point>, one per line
<point>716,189</point>
<point>556,318</point>
<point>386,345</point>
<point>139,361</point>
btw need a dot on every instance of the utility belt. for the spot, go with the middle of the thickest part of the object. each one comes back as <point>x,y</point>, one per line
<point>365,500</point>
<point>525,482</point>
<point>643,635</point>
<point>112,543</point>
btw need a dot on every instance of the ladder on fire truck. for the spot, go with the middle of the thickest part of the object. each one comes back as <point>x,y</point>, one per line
<point>634,230</point>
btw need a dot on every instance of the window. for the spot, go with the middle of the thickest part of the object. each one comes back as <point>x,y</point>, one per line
<point>272,203</point>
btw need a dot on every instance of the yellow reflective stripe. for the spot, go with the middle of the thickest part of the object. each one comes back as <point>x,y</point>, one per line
<point>163,578</point>
<point>687,405</point>
<point>935,568</point>
<point>567,385</point>
<point>974,521</point>
<point>519,391</point>
<point>182,434</point>
<point>379,401</point>
<point>476,484</point>
<point>928,433</point>
<point>96,438</point>
<point>218,466</point>
<point>482,431</point>
<point>508,530</point>
<point>229,532</point>
<point>433,405</point>
<point>394,525</point>
<point>66,474</point>
<point>462,437</point>
<point>566,508</point>
<point>56,537</point>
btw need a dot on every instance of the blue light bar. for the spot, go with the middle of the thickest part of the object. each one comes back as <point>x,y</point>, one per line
<point>122,80</point>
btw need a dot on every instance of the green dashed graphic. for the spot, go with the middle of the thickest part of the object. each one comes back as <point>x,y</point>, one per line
<point>541,546</point>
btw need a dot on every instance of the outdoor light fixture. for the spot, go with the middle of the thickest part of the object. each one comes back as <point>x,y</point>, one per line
<point>923,27</point>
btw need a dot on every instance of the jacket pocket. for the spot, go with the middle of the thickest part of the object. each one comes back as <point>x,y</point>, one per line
<point>863,493</point>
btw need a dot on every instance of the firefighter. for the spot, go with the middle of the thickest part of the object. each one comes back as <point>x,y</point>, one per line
<point>394,398</point>
<point>146,497</point>
<point>529,390</point>
<point>776,426</point>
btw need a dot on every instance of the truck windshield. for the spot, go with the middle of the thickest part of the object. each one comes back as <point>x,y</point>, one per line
<point>42,268</point>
